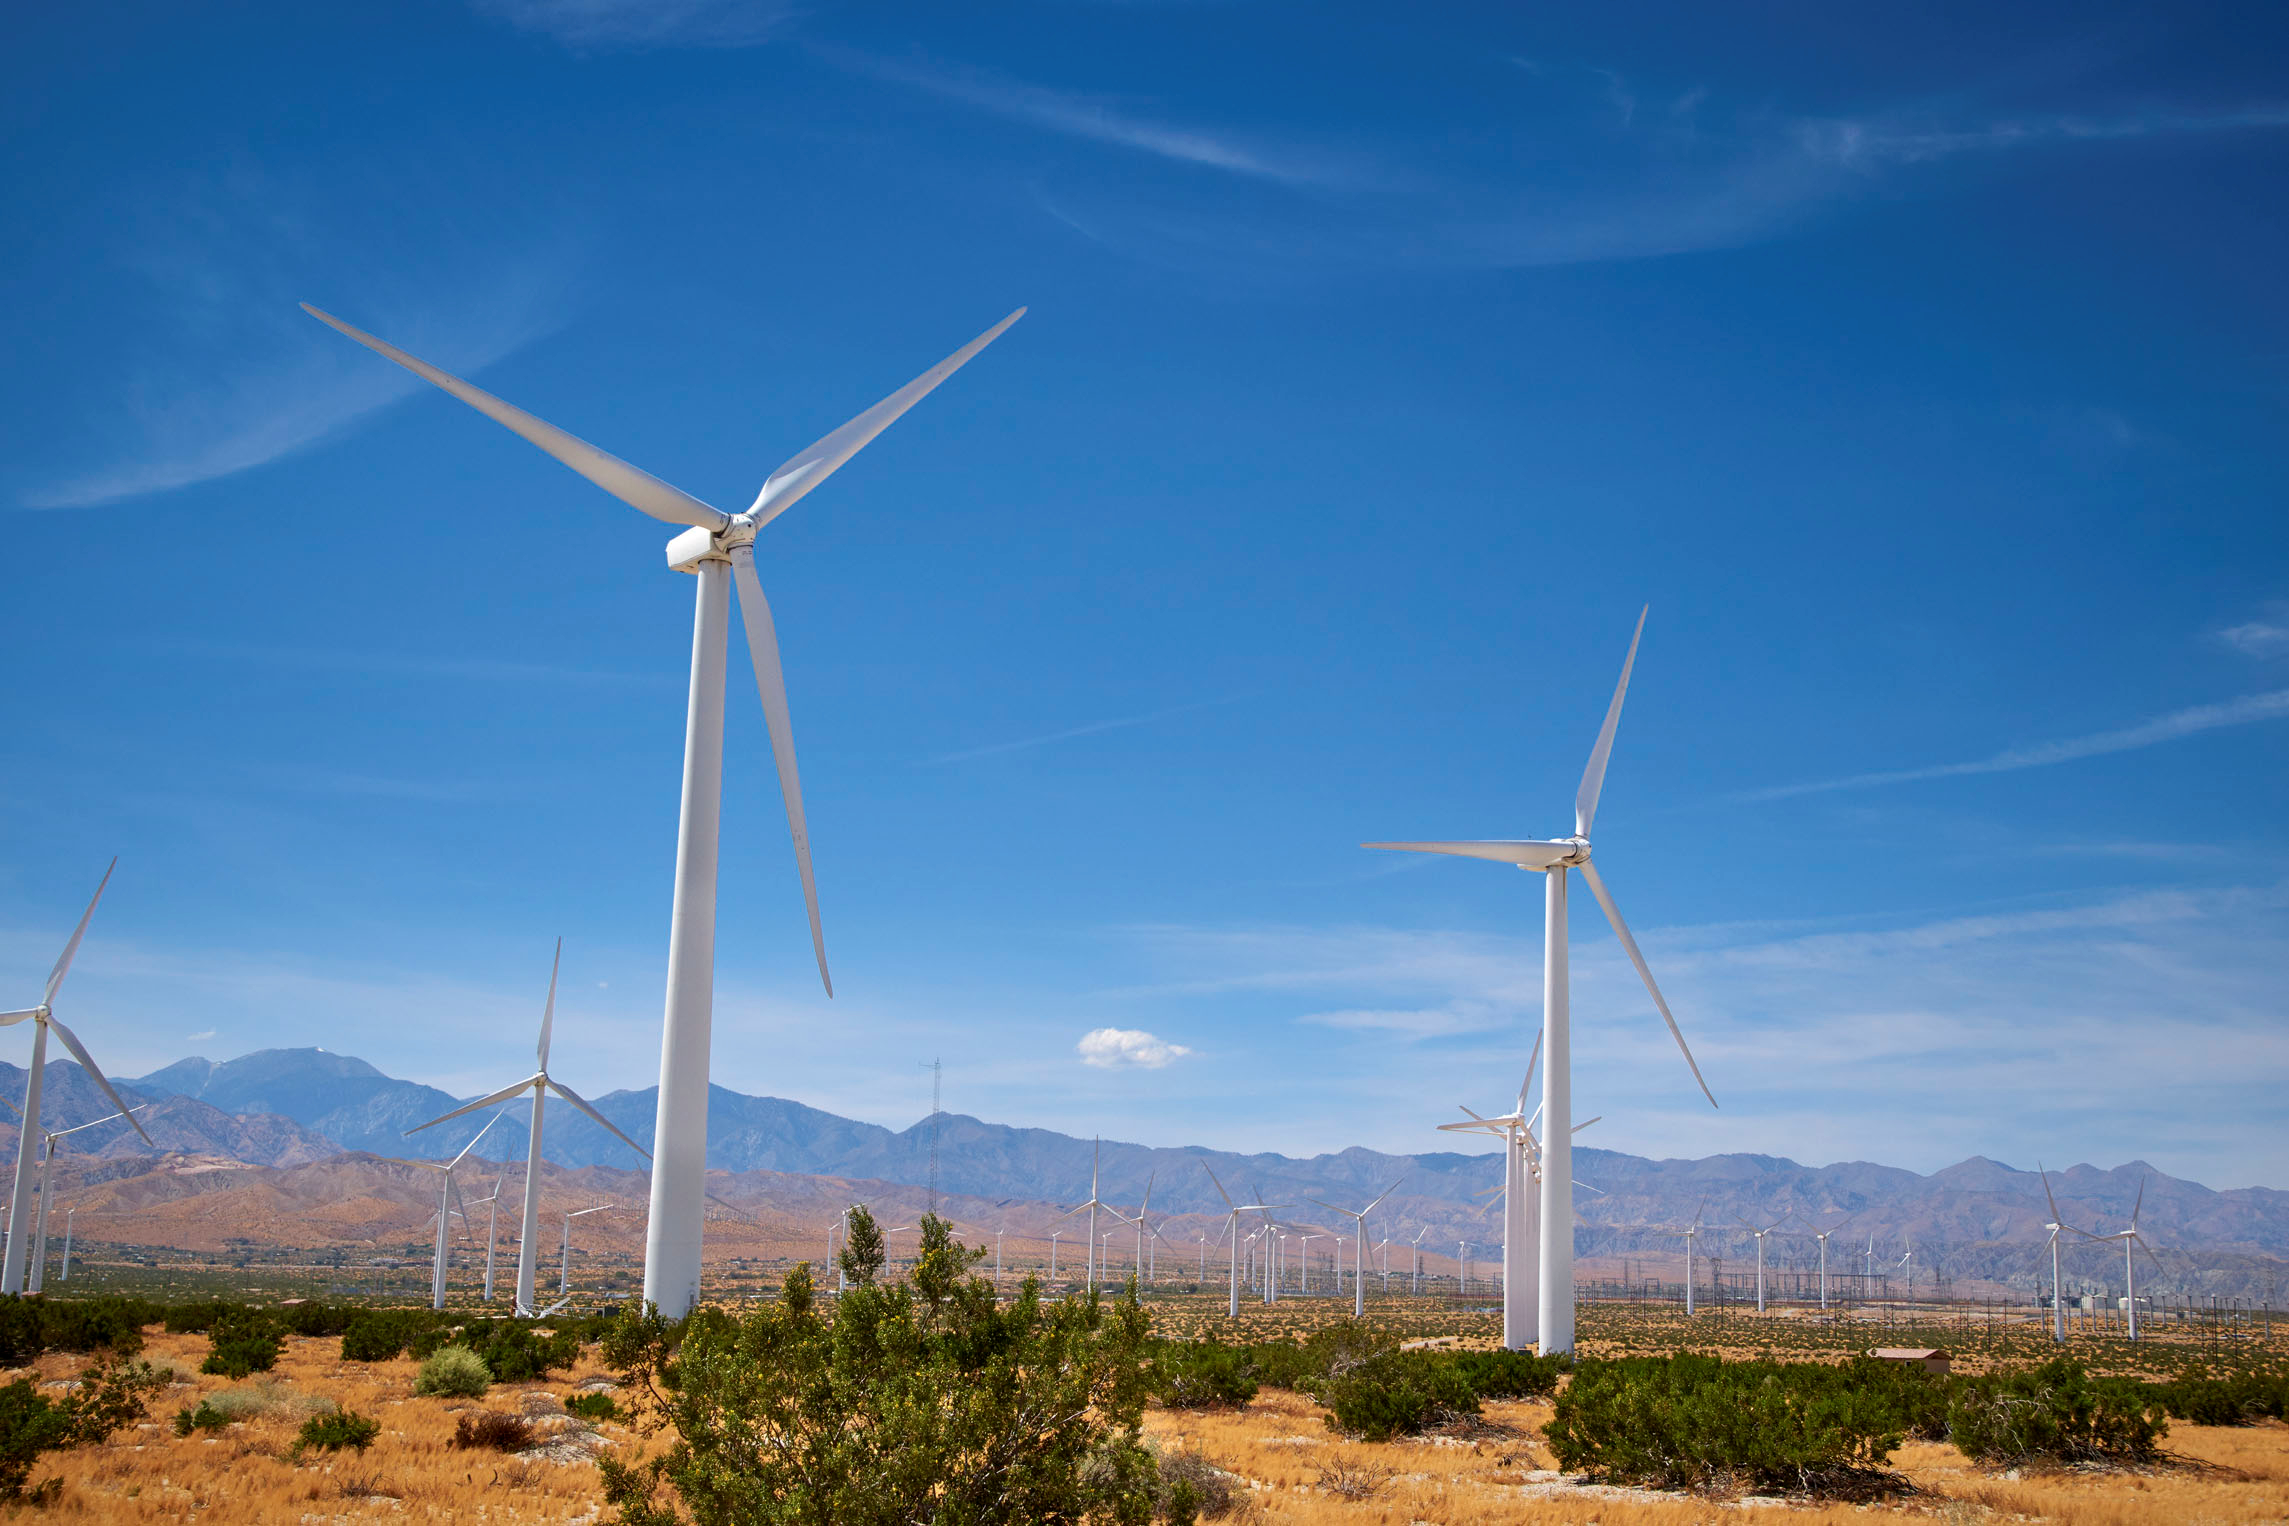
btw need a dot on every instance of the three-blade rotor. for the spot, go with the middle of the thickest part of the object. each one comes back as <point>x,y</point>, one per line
<point>45,1011</point>
<point>729,535</point>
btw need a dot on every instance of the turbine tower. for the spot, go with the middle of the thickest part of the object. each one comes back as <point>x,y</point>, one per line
<point>448,1189</point>
<point>718,549</point>
<point>1760,1234</point>
<point>1552,860</point>
<point>39,1268</point>
<point>20,1210</point>
<point>1096,1156</point>
<point>540,1083</point>
<point>2132,1241</point>
<point>2058,1223</point>
<point>1358,1216</point>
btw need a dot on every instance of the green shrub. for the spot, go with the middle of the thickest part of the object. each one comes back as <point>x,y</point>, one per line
<point>198,1318</point>
<point>453,1372</point>
<point>1203,1375</point>
<point>929,1389</point>
<point>1508,1374</point>
<point>205,1418</point>
<point>29,1326</point>
<point>1395,1393</point>
<point>591,1406</point>
<point>2241,1398</point>
<point>2057,1413</point>
<point>241,1342</point>
<point>110,1396</point>
<point>382,1335</point>
<point>1692,1421</point>
<point>517,1351</point>
<point>331,1433</point>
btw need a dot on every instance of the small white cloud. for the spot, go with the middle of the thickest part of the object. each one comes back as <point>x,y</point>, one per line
<point>197,1038</point>
<point>1113,1048</point>
<point>2266,636</point>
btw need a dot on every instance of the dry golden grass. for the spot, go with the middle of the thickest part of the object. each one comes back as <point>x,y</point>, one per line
<point>410,1473</point>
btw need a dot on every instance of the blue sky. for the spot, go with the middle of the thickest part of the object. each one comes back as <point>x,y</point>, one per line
<point>1924,372</point>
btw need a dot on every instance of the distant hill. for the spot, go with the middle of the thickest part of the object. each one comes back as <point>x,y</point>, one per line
<point>176,1123</point>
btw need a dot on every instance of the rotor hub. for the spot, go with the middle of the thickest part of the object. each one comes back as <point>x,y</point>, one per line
<point>700,544</point>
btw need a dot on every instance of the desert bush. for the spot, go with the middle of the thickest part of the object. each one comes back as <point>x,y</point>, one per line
<point>1203,1375</point>
<point>111,1395</point>
<point>591,1406</point>
<point>1508,1374</point>
<point>1193,1488</point>
<point>453,1372</point>
<point>266,1395</point>
<point>29,1326</point>
<point>518,1351</point>
<point>927,1390</point>
<point>198,1318</point>
<point>1300,1365</point>
<point>2240,1398</point>
<point>2056,1413</point>
<point>241,1342</point>
<point>1395,1393</point>
<point>315,1317</point>
<point>1694,1421</point>
<point>205,1418</point>
<point>383,1335</point>
<point>493,1430</point>
<point>332,1433</point>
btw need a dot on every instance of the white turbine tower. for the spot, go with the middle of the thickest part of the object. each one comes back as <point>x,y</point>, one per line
<point>49,1137</point>
<point>448,1189</point>
<point>43,1018</point>
<point>2057,1224</point>
<point>1760,1234</point>
<point>69,1215</point>
<point>492,1207</point>
<point>1415,1283</point>
<point>540,1083</point>
<point>1359,1260</point>
<point>1552,859</point>
<point>718,549</point>
<point>564,1271</point>
<point>1691,1235</point>
<point>1822,1236</point>
<point>2132,1242</point>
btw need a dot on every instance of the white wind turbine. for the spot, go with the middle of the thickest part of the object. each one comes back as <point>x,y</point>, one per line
<point>1760,1234</point>
<point>448,1189</point>
<point>492,1207</point>
<point>1552,859</point>
<point>2057,1224</point>
<point>1139,1221</point>
<point>540,1083</point>
<point>43,1018</point>
<point>718,549</point>
<point>1822,1236</point>
<point>1096,1158</point>
<point>2132,1242</point>
<point>1359,1261</point>
<point>48,1188</point>
<point>1415,1284</point>
<point>1691,1235</point>
<point>564,1271</point>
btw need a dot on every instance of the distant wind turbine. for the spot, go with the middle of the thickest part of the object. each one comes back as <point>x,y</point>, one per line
<point>1760,1234</point>
<point>718,549</point>
<point>2131,1241</point>
<point>564,1272</point>
<point>2055,1226</point>
<point>1552,859</point>
<point>1096,1157</point>
<point>540,1083</point>
<point>448,1189</point>
<point>1822,1236</point>
<point>48,1186</point>
<point>1358,1216</point>
<point>43,1018</point>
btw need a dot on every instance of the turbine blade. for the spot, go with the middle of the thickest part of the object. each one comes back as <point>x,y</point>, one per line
<point>1621,931</point>
<point>1593,777</point>
<point>1220,1192</point>
<point>808,468</point>
<point>578,1101</point>
<point>1525,854</point>
<point>10,1019</point>
<point>79,1052</point>
<point>1386,1192</point>
<point>771,684</point>
<point>1147,1203</point>
<point>2139,1203</point>
<point>480,1134</point>
<point>548,1010</point>
<point>503,1095</point>
<point>2056,1217</point>
<point>634,487</point>
<point>1586,1122</point>
<point>1532,1061</point>
<point>64,960</point>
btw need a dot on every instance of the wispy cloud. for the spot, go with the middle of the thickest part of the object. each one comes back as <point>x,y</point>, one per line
<point>608,24</point>
<point>1093,728</point>
<point>2264,637</point>
<point>1099,119</point>
<point>1127,1048</point>
<point>388,665</point>
<point>229,375</point>
<point>200,1037</point>
<point>2248,710</point>
<point>1866,143</point>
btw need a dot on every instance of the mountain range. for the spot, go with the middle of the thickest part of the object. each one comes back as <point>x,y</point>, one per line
<point>292,1107</point>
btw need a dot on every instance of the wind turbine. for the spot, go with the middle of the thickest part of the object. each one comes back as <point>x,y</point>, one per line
<point>1552,859</point>
<point>1760,1234</point>
<point>448,1189</point>
<point>540,1083</point>
<point>1908,1261</point>
<point>2131,1241</point>
<point>1096,1157</point>
<point>564,1273</point>
<point>1359,1261</point>
<point>2058,1222</point>
<point>1415,1288</point>
<point>69,1214</point>
<point>492,1206</point>
<point>718,549</point>
<point>1691,1234</point>
<point>1822,1236</point>
<point>1139,1221</point>
<point>48,1187</point>
<point>43,1018</point>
